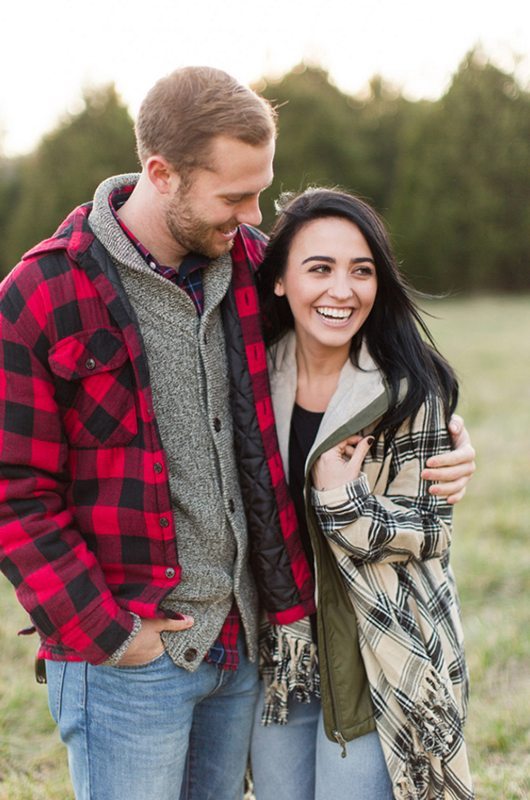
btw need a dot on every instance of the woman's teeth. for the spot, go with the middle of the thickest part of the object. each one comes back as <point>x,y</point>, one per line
<point>335,313</point>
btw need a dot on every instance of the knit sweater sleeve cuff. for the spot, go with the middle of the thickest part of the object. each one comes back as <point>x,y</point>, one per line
<point>342,498</point>
<point>117,655</point>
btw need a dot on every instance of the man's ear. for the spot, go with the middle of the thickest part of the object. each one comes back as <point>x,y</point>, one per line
<point>161,174</point>
<point>279,290</point>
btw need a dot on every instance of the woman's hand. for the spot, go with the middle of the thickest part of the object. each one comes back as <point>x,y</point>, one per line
<point>341,464</point>
<point>452,470</point>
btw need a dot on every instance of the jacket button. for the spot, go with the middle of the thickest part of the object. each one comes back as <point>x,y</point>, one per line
<point>157,466</point>
<point>164,522</point>
<point>217,424</point>
<point>90,363</point>
<point>190,654</point>
<point>170,572</point>
<point>231,506</point>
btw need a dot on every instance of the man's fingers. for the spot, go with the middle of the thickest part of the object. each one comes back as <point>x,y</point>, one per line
<point>449,473</point>
<point>456,424</point>
<point>175,624</point>
<point>448,488</point>
<point>455,498</point>
<point>464,457</point>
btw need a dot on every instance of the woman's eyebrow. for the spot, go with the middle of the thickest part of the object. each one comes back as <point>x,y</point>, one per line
<point>330,260</point>
<point>327,259</point>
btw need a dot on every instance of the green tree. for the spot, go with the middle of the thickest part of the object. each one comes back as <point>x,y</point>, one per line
<point>65,169</point>
<point>317,143</point>
<point>461,201</point>
<point>333,139</point>
<point>9,193</point>
<point>383,119</point>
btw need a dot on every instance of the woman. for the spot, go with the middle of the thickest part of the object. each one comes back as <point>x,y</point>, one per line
<point>356,387</point>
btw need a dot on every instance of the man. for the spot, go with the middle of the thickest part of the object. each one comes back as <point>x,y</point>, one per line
<point>139,458</point>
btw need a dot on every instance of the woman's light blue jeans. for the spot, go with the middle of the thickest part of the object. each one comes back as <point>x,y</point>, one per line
<point>298,762</point>
<point>154,732</point>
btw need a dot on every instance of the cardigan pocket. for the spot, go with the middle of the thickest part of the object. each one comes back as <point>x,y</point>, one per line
<point>95,388</point>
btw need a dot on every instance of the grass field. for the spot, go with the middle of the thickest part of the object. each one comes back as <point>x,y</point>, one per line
<point>488,341</point>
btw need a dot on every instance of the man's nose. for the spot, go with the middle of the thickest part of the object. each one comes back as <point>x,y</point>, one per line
<point>249,212</point>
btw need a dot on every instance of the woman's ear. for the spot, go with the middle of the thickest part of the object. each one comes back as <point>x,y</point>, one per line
<point>279,290</point>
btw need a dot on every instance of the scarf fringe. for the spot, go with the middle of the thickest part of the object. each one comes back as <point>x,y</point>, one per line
<point>434,715</point>
<point>414,784</point>
<point>433,718</point>
<point>289,667</point>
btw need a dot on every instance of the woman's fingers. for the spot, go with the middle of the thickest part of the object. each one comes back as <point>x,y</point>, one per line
<point>361,451</point>
<point>342,463</point>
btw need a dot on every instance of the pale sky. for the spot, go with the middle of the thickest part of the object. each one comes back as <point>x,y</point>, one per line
<point>51,49</point>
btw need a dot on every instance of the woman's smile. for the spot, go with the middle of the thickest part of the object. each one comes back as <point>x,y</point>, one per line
<point>330,283</point>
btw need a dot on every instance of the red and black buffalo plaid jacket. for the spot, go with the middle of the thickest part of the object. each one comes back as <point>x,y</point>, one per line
<point>86,526</point>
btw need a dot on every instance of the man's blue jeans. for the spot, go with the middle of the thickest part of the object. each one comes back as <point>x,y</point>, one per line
<point>154,732</point>
<point>298,762</point>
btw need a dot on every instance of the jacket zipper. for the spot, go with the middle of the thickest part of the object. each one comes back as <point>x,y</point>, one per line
<point>336,733</point>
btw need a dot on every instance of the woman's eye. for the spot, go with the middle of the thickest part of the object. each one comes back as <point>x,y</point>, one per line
<point>320,268</point>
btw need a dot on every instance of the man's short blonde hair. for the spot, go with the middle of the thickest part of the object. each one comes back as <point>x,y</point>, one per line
<point>185,111</point>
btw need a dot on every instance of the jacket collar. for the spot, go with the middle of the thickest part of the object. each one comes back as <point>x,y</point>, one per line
<point>361,394</point>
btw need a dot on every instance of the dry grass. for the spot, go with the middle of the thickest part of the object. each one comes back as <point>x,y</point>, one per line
<point>488,341</point>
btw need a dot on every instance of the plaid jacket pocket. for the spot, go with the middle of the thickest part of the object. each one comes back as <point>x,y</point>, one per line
<point>95,388</point>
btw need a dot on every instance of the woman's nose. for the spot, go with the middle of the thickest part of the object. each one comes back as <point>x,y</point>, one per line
<point>340,287</point>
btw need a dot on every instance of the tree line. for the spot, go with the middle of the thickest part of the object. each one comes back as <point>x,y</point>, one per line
<point>450,177</point>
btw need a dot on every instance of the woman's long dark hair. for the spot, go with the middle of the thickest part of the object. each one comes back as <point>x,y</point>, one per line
<point>393,330</point>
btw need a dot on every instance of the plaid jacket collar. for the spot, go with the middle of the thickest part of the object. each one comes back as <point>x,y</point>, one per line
<point>361,393</point>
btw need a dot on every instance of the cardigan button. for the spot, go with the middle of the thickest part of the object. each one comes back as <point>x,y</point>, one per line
<point>231,506</point>
<point>170,572</point>
<point>90,363</point>
<point>217,424</point>
<point>190,654</point>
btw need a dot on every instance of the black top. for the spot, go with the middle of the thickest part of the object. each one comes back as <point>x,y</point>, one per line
<point>304,428</point>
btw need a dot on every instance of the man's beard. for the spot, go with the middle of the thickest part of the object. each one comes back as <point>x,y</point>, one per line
<point>191,232</point>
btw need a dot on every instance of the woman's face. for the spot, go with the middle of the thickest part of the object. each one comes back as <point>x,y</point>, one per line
<point>330,283</point>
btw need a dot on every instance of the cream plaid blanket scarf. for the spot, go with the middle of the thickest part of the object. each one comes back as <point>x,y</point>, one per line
<point>415,666</point>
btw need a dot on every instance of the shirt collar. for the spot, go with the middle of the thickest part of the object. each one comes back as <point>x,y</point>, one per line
<point>191,261</point>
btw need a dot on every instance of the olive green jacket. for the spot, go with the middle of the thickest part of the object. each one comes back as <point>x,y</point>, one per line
<point>361,398</point>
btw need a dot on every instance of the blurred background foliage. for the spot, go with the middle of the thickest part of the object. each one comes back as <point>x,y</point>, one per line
<point>450,177</point>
